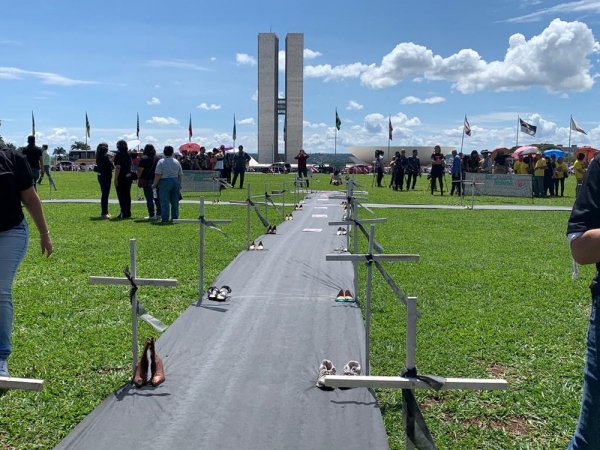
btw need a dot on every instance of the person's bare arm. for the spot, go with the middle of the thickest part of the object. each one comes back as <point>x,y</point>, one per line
<point>586,248</point>
<point>32,203</point>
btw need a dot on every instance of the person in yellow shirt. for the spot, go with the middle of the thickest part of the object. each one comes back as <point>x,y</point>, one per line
<point>520,167</point>
<point>579,168</point>
<point>559,176</point>
<point>538,175</point>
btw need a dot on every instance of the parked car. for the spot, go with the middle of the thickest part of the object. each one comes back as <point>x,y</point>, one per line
<point>359,169</point>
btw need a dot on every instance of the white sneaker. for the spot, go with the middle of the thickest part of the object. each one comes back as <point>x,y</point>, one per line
<point>326,368</point>
<point>4,368</point>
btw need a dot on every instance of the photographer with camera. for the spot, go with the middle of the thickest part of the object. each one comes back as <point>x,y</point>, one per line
<point>379,166</point>
<point>438,164</point>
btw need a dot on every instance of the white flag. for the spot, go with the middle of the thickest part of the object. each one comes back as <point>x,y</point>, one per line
<point>575,127</point>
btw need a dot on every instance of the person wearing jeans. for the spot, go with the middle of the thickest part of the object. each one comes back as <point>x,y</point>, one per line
<point>583,232</point>
<point>168,178</point>
<point>145,173</point>
<point>17,187</point>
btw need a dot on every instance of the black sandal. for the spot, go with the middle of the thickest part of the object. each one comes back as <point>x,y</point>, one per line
<point>212,293</point>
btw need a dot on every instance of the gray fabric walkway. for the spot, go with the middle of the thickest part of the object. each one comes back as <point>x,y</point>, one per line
<point>241,374</point>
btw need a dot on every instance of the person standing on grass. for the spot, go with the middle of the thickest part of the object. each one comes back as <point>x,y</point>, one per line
<point>456,173</point>
<point>413,169</point>
<point>123,178</point>
<point>240,162</point>
<point>583,233</point>
<point>539,170</point>
<point>17,185</point>
<point>559,176</point>
<point>168,178</point>
<point>437,169</point>
<point>302,170</point>
<point>34,157</point>
<point>145,173</point>
<point>399,170</point>
<point>579,168</point>
<point>104,168</point>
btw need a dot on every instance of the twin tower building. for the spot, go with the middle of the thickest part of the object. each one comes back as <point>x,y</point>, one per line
<point>271,105</point>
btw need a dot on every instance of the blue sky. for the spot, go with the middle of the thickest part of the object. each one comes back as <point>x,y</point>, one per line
<point>425,63</point>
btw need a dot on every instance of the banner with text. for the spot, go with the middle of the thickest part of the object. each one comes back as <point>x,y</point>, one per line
<point>200,181</point>
<point>499,185</point>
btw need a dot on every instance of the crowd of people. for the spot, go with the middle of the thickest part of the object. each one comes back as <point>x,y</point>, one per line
<point>548,172</point>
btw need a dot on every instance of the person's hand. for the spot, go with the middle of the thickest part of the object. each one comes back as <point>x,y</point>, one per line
<point>46,244</point>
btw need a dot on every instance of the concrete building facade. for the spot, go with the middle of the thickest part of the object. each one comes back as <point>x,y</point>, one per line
<point>270,106</point>
<point>268,89</point>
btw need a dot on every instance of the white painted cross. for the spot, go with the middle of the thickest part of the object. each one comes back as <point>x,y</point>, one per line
<point>203,224</point>
<point>134,300</point>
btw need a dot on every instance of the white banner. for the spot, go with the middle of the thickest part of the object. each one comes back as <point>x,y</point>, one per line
<point>498,185</point>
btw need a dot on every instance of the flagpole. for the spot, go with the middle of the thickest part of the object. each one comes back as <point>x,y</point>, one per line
<point>463,136</point>
<point>234,135</point>
<point>86,129</point>
<point>570,129</point>
<point>518,123</point>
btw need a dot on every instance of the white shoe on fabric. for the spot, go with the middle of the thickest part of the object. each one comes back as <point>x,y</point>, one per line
<point>4,368</point>
<point>352,368</point>
<point>326,368</point>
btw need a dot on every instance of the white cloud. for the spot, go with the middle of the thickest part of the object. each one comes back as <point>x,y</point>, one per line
<point>255,96</point>
<point>581,6</point>
<point>430,101</point>
<point>248,121</point>
<point>163,120</point>
<point>243,59</point>
<point>311,54</point>
<point>557,59</point>
<point>9,42</point>
<point>157,86</point>
<point>213,58</point>
<point>12,73</point>
<point>211,107</point>
<point>176,64</point>
<point>564,95</point>
<point>281,58</point>
<point>308,124</point>
<point>354,106</point>
<point>150,139</point>
<point>153,101</point>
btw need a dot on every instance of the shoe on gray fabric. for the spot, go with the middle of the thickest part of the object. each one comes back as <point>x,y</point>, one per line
<point>4,368</point>
<point>352,368</point>
<point>326,368</point>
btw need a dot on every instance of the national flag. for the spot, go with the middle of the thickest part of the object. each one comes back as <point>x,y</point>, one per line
<point>575,127</point>
<point>32,124</point>
<point>527,128</point>
<point>190,133</point>
<point>390,129</point>
<point>338,122</point>
<point>234,133</point>
<point>88,129</point>
<point>137,130</point>
<point>467,127</point>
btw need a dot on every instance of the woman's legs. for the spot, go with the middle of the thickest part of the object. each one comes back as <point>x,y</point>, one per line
<point>149,199</point>
<point>105,192</point>
<point>164,193</point>
<point>13,243</point>
<point>174,198</point>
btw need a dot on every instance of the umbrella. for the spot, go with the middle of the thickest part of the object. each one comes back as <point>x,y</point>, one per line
<point>589,152</point>
<point>189,147</point>
<point>525,150</point>
<point>554,152</point>
<point>497,150</point>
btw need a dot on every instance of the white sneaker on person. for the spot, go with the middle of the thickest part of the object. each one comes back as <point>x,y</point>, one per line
<point>4,368</point>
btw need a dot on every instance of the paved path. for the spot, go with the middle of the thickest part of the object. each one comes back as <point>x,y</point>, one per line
<point>241,374</point>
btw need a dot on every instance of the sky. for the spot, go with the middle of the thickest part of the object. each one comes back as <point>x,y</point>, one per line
<point>425,65</point>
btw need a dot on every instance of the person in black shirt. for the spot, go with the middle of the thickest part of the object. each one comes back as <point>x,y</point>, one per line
<point>438,163</point>
<point>145,173</point>
<point>413,169</point>
<point>583,232</point>
<point>104,168</point>
<point>123,179</point>
<point>18,187</point>
<point>240,161</point>
<point>399,171</point>
<point>34,157</point>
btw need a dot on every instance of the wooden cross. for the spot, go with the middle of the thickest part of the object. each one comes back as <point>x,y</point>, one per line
<point>134,300</point>
<point>203,224</point>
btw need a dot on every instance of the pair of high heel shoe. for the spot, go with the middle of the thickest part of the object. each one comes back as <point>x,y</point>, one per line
<point>298,207</point>
<point>157,375</point>
<point>253,246</point>
<point>345,296</point>
<point>342,231</point>
<point>289,217</point>
<point>218,294</point>
<point>272,230</point>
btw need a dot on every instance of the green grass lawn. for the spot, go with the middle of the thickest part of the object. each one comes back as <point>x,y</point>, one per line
<point>494,289</point>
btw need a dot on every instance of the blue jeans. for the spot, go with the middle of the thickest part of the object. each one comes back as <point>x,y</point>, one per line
<point>168,192</point>
<point>151,201</point>
<point>587,433</point>
<point>13,243</point>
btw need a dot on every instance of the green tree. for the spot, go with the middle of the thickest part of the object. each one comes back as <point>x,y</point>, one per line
<point>11,146</point>
<point>59,152</point>
<point>79,145</point>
